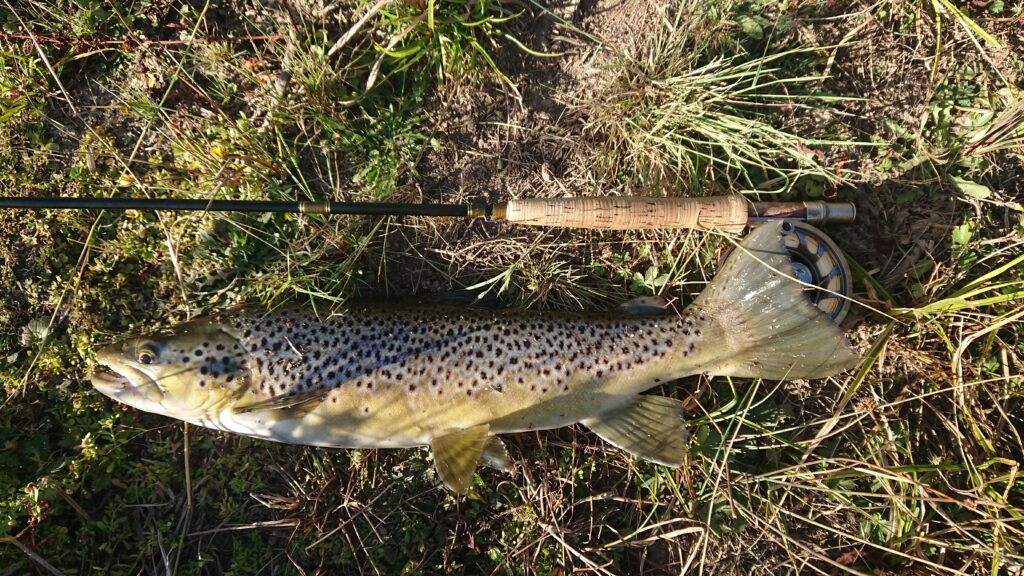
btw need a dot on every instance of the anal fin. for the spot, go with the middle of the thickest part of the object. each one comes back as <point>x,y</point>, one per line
<point>649,427</point>
<point>495,454</point>
<point>456,455</point>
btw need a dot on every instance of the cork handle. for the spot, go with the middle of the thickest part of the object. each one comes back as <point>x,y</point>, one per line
<point>723,213</point>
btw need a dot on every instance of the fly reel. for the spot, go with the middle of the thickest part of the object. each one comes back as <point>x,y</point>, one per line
<point>818,263</point>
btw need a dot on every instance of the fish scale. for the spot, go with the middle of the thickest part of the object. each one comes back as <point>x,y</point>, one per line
<point>386,376</point>
<point>438,353</point>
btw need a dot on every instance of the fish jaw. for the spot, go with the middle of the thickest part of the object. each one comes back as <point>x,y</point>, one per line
<point>124,383</point>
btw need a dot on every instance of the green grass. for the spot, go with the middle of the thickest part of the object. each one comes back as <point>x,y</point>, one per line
<point>909,463</point>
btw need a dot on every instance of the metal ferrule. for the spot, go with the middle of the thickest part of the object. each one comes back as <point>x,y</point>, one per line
<point>488,212</point>
<point>819,212</point>
<point>813,212</point>
<point>315,207</point>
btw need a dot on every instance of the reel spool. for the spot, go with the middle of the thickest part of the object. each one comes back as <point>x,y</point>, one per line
<point>818,261</point>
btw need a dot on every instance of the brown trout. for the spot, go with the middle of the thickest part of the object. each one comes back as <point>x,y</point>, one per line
<point>390,377</point>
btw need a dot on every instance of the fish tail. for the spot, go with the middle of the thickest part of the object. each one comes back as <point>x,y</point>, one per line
<point>761,324</point>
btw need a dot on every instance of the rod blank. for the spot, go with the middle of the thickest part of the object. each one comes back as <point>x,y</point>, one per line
<point>172,205</point>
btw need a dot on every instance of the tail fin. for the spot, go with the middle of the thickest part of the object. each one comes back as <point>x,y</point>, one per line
<point>766,326</point>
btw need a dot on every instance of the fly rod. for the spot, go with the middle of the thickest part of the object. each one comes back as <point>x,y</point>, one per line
<point>723,213</point>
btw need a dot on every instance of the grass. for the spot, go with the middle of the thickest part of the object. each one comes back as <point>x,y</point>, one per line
<point>908,465</point>
<point>690,112</point>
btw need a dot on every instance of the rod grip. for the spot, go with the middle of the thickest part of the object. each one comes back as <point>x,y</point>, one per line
<point>723,213</point>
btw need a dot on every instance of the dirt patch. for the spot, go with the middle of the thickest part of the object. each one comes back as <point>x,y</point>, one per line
<point>496,145</point>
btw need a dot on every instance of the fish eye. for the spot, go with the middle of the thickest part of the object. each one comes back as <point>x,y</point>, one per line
<point>145,354</point>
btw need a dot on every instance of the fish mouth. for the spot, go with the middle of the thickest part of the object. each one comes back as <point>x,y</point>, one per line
<point>124,383</point>
<point>106,377</point>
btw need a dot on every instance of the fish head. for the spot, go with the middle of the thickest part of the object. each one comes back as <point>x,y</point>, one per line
<point>189,373</point>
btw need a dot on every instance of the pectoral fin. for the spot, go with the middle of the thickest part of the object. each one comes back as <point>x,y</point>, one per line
<point>495,454</point>
<point>297,402</point>
<point>456,455</point>
<point>649,427</point>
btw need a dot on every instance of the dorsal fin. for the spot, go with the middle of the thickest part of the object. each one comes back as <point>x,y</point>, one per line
<point>456,454</point>
<point>649,427</point>
<point>645,306</point>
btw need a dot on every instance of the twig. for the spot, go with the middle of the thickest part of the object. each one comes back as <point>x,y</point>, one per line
<point>283,523</point>
<point>375,71</point>
<point>355,27</point>
<point>553,531</point>
<point>42,56</point>
<point>31,553</point>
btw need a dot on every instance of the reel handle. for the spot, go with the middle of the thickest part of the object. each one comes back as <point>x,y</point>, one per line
<point>724,213</point>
